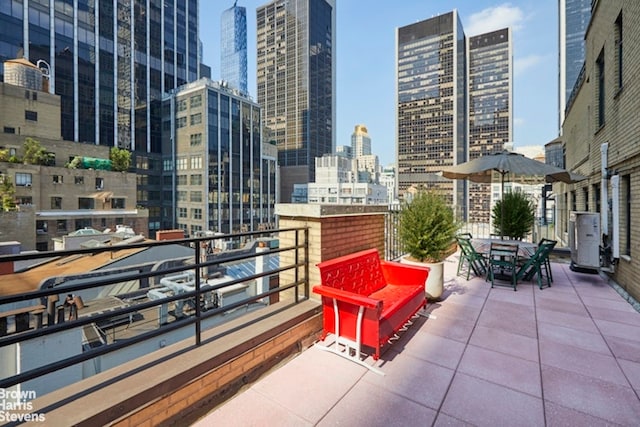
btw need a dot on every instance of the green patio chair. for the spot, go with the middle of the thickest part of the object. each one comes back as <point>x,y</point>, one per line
<point>503,264</point>
<point>547,261</point>
<point>470,260</point>
<point>538,265</point>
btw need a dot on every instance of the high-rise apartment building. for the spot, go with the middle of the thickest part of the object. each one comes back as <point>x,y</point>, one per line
<point>573,18</point>
<point>218,174</point>
<point>360,141</point>
<point>454,103</point>
<point>233,47</point>
<point>296,84</point>
<point>490,101</point>
<point>431,102</point>
<point>110,62</point>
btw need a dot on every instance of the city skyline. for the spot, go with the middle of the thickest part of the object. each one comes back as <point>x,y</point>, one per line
<point>365,81</point>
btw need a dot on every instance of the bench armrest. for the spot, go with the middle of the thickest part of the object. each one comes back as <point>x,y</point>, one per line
<point>403,274</point>
<point>348,297</point>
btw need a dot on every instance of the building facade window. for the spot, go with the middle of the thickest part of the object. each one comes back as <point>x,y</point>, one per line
<point>618,36</point>
<point>182,105</point>
<point>181,180</point>
<point>600,88</point>
<point>182,212</point>
<point>117,203</point>
<point>196,119</point>
<point>31,115</point>
<point>196,162</point>
<point>23,179</point>
<point>8,129</point>
<point>181,122</point>
<point>86,203</point>
<point>57,179</point>
<point>41,227</point>
<point>56,202</point>
<point>195,101</point>
<point>196,213</point>
<point>24,200</point>
<point>99,183</point>
<point>196,196</point>
<point>83,223</point>
<point>626,187</point>
<point>196,139</point>
<point>61,225</point>
<point>196,179</point>
<point>181,163</point>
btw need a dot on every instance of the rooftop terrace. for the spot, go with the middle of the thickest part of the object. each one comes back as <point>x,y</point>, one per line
<point>565,355</point>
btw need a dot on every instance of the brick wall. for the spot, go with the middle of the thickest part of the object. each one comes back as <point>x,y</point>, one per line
<point>583,134</point>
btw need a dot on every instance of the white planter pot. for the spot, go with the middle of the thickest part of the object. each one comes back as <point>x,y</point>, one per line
<point>434,286</point>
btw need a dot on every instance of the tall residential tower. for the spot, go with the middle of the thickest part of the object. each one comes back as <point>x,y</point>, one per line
<point>233,47</point>
<point>296,84</point>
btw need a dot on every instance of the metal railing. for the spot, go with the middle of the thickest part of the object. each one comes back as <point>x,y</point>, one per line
<point>292,260</point>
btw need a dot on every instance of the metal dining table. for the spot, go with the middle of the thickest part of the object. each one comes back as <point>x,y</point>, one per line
<point>525,249</point>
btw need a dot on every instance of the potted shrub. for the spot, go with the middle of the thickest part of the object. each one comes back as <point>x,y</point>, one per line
<point>514,215</point>
<point>427,230</point>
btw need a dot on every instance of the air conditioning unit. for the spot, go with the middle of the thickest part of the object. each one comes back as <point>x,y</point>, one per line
<point>584,240</point>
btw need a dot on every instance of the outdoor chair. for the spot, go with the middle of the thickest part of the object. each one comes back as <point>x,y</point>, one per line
<point>470,260</point>
<point>538,265</point>
<point>503,264</point>
<point>550,249</point>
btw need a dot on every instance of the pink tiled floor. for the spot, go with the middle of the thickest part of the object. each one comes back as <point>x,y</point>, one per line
<point>566,355</point>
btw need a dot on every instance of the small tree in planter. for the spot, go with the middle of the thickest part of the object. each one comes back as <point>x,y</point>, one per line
<point>427,229</point>
<point>519,215</point>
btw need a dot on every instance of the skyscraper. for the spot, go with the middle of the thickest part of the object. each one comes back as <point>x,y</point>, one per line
<point>431,102</point>
<point>360,141</point>
<point>573,17</point>
<point>110,62</point>
<point>296,84</point>
<point>233,47</point>
<point>490,100</point>
<point>454,97</point>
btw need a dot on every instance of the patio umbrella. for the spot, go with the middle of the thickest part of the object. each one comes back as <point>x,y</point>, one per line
<point>506,162</point>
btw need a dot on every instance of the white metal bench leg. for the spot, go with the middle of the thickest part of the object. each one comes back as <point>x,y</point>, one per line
<point>350,349</point>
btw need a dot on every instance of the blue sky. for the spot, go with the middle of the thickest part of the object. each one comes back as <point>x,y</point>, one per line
<point>366,57</point>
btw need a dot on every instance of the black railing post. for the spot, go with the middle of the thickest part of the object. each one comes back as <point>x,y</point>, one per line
<point>306,263</point>
<point>197,297</point>
<point>296,263</point>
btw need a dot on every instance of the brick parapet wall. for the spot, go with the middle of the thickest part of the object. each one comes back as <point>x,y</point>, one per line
<point>333,231</point>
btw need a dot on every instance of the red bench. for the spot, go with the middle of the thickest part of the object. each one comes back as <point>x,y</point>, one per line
<point>366,301</point>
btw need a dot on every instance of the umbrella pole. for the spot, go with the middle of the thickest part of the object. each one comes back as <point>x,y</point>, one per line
<point>502,205</point>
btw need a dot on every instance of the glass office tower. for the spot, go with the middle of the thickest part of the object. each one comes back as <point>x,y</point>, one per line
<point>296,84</point>
<point>110,61</point>
<point>454,97</point>
<point>233,47</point>
<point>431,103</point>
<point>573,17</point>
<point>490,111</point>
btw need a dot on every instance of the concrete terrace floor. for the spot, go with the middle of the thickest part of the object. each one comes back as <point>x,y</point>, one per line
<point>568,355</point>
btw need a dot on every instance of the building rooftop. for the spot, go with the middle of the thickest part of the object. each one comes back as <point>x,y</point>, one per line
<point>565,355</point>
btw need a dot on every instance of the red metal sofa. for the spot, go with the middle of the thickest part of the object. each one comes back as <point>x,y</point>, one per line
<point>366,301</point>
